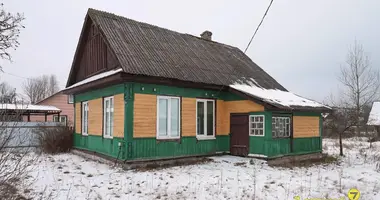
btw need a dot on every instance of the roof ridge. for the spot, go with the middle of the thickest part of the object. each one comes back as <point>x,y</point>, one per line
<point>116,16</point>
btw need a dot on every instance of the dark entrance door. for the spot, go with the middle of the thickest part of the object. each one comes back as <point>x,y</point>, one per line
<point>239,125</point>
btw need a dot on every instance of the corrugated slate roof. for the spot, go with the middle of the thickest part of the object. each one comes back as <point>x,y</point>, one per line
<point>145,49</point>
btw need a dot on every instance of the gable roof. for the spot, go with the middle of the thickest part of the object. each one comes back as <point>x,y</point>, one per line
<point>144,49</point>
<point>374,115</point>
<point>152,51</point>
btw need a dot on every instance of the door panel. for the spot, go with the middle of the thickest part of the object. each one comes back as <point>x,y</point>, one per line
<point>239,125</point>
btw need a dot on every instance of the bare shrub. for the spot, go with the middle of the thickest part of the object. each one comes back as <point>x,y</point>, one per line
<point>55,139</point>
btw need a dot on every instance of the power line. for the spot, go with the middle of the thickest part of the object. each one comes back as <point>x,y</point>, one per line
<point>31,79</point>
<point>254,34</point>
<point>262,19</point>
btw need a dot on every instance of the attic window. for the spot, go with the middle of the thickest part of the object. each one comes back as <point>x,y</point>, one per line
<point>70,99</point>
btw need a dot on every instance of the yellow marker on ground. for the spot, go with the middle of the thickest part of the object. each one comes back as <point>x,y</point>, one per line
<point>353,194</point>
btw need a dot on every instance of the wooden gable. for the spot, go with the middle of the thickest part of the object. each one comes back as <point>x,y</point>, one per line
<point>93,54</point>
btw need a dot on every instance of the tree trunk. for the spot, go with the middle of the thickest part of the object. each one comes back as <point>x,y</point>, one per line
<point>340,144</point>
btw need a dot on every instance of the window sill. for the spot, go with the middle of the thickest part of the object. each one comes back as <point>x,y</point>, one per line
<point>257,135</point>
<point>84,134</point>
<point>168,138</point>
<point>206,138</point>
<point>107,137</point>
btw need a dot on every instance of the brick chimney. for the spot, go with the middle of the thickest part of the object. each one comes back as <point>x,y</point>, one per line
<point>206,35</point>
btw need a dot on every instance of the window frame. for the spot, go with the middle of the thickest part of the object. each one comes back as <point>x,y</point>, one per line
<point>250,125</point>
<point>82,117</point>
<point>168,123</point>
<point>70,99</point>
<point>290,126</point>
<point>205,136</point>
<point>60,117</point>
<point>112,110</point>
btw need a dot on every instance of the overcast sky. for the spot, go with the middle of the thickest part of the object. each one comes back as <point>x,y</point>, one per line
<point>301,43</point>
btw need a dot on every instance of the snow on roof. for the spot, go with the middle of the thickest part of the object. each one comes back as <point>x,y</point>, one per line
<point>374,115</point>
<point>275,96</point>
<point>28,107</point>
<point>96,77</point>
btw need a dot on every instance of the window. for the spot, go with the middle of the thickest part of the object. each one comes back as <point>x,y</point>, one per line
<point>205,118</point>
<point>168,117</point>
<point>84,118</point>
<point>108,117</point>
<point>70,99</point>
<point>280,126</point>
<point>62,118</point>
<point>256,125</point>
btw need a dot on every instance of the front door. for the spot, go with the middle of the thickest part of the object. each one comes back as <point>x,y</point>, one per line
<point>239,143</point>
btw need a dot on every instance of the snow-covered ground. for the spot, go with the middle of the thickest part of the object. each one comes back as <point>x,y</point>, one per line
<point>68,176</point>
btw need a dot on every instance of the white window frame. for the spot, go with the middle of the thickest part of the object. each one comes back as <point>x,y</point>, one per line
<point>84,105</point>
<point>205,136</point>
<point>60,118</point>
<point>70,99</point>
<point>111,112</point>
<point>168,125</point>
<point>290,124</point>
<point>251,128</point>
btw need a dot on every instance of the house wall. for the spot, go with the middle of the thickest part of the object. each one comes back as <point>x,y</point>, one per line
<point>60,101</point>
<point>143,143</point>
<point>135,125</point>
<point>307,129</point>
<point>95,140</point>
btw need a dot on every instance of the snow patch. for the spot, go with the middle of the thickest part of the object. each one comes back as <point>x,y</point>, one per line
<point>96,77</point>
<point>275,96</point>
<point>374,115</point>
<point>7,106</point>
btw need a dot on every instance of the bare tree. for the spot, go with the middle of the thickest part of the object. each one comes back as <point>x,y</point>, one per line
<point>361,82</point>
<point>341,120</point>
<point>7,93</point>
<point>10,26</point>
<point>41,87</point>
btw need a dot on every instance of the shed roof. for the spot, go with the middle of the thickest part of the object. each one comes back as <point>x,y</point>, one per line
<point>29,108</point>
<point>374,115</point>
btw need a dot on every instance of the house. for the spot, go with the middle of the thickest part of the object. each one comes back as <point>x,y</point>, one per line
<point>374,117</point>
<point>144,92</point>
<point>63,102</point>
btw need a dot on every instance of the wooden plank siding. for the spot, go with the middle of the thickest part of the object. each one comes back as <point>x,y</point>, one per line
<point>305,126</point>
<point>242,106</point>
<point>78,118</point>
<point>145,113</point>
<point>189,110</point>
<point>95,117</point>
<point>94,56</point>
<point>118,125</point>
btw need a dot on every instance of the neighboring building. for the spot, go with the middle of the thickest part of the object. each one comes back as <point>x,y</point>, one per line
<point>374,117</point>
<point>62,102</point>
<point>145,92</point>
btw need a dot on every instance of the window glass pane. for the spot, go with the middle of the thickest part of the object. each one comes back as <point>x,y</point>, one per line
<point>200,118</point>
<point>210,118</point>
<point>174,117</point>
<point>106,128</point>
<point>163,117</point>
<point>111,123</point>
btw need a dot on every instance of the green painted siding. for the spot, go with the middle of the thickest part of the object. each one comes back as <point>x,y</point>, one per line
<point>273,147</point>
<point>101,145</point>
<point>183,92</point>
<point>312,144</point>
<point>95,94</point>
<point>150,148</point>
